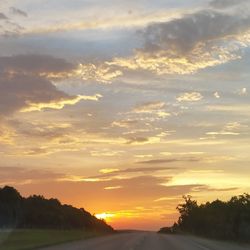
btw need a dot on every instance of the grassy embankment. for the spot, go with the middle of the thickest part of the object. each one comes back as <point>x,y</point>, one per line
<point>33,239</point>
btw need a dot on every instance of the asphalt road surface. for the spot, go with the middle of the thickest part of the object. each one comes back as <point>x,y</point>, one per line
<point>149,241</point>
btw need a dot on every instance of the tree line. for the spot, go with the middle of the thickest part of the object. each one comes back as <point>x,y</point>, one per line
<point>217,219</point>
<point>38,212</point>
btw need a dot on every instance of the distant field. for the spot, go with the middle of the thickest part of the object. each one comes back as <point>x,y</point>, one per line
<point>32,239</point>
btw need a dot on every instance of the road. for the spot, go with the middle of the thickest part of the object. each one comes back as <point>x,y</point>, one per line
<point>148,241</point>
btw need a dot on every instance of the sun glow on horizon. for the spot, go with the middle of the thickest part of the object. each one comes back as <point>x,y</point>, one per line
<point>104,216</point>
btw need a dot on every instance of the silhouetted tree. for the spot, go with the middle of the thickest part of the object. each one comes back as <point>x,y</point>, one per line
<point>217,219</point>
<point>38,212</point>
<point>10,207</point>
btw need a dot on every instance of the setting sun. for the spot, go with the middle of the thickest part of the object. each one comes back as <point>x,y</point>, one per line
<point>104,216</point>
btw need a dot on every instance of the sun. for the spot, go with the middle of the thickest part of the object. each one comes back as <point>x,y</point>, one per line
<point>104,216</point>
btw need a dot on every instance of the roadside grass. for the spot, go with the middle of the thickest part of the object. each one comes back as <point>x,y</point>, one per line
<point>34,239</point>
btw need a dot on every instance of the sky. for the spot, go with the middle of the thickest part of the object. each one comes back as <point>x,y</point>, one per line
<point>122,107</point>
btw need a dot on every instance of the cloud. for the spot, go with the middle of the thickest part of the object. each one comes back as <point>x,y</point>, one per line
<point>217,95</point>
<point>108,170</point>
<point>3,16</point>
<point>9,27</point>
<point>35,64</point>
<point>143,156</point>
<point>181,37</point>
<point>190,97</point>
<point>6,134</point>
<point>61,69</point>
<point>237,109</point>
<point>18,12</point>
<point>220,4</point>
<point>32,93</point>
<point>59,104</point>
<point>231,128</point>
<point>137,139</point>
<point>40,130</point>
<point>112,174</point>
<point>19,175</point>
<point>17,91</point>
<point>242,92</point>
<point>222,133</point>
<point>140,140</point>
<point>141,170</point>
<point>205,188</point>
<point>156,108</point>
<point>24,84</point>
<point>113,188</point>
<point>149,107</point>
<point>132,191</point>
<point>138,122</point>
<point>170,160</point>
<point>144,170</point>
<point>181,45</point>
<point>100,73</point>
<point>124,123</point>
<point>106,152</point>
<point>107,20</point>
<point>187,44</point>
<point>235,126</point>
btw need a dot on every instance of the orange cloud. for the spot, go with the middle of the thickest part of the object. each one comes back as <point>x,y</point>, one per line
<point>59,104</point>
